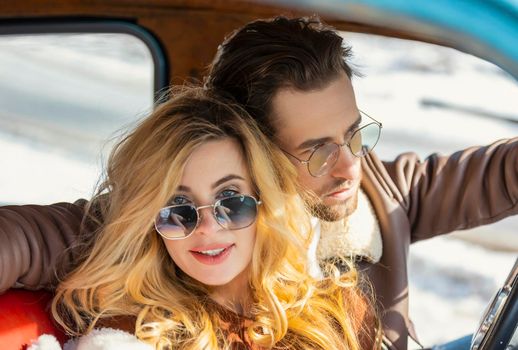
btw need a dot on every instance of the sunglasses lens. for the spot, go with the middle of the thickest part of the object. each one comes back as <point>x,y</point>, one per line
<point>323,159</point>
<point>236,212</point>
<point>176,221</point>
<point>364,139</point>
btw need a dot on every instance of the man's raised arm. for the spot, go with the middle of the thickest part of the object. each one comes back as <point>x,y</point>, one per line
<point>33,239</point>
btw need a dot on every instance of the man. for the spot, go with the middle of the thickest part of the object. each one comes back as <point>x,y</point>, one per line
<point>292,76</point>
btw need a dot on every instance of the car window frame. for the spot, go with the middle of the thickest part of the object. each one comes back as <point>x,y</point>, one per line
<point>97,26</point>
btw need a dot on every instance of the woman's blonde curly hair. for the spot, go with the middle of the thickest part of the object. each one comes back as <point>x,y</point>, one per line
<point>127,271</point>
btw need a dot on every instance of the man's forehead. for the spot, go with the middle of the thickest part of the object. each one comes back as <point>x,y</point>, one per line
<point>337,135</point>
<point>325,113</point>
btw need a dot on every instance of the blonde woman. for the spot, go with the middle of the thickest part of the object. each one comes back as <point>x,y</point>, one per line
<point>202,245</point>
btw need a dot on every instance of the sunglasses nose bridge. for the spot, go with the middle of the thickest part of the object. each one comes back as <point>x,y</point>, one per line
<point>205,206</point>
<point>201,217</point>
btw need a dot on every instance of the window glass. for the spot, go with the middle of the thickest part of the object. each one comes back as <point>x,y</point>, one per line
<point>435,99</point>
<point>62,96</point>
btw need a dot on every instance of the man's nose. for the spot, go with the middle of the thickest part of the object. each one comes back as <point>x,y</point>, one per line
<point>207,224</point>
<point>346,165</point>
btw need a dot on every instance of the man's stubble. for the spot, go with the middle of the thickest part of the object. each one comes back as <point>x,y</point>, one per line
<point>333,212</point>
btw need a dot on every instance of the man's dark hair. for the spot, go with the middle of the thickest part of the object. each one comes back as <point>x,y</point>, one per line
<point>257,60</point>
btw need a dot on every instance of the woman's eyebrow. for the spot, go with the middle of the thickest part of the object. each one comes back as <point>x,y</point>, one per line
<point>183,188</point>
<point>225,179</point>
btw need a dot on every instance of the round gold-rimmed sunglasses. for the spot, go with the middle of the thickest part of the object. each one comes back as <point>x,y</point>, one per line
<point>232,213</point>
<point>324,156</point>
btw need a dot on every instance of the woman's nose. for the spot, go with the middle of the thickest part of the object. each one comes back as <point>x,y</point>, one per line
<point>207,224</point>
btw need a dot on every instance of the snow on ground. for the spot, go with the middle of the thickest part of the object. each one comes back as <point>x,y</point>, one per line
<point>428,98</point>
<point>63,99</point>
<point>32,174</point>
<point>452,282</point>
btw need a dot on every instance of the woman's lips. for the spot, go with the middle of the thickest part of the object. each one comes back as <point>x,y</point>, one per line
<point>215,257</point>
<point>211,246</point>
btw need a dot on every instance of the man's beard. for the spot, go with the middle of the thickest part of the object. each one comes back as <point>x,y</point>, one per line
<point>334,212</point>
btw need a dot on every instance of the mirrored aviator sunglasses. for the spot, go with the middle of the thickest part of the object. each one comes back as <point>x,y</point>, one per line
<point>231,213</point>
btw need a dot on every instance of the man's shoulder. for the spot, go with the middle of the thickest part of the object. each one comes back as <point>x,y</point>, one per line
<point>384,172</point>
<point>373,159</point>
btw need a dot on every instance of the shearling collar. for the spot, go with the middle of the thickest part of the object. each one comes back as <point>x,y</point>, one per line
<point>356,236</point>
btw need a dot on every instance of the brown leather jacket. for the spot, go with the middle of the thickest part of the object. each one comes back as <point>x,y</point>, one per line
<point>413,200</point>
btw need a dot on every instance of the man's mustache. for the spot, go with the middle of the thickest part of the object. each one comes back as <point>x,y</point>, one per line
<point>337,186</point>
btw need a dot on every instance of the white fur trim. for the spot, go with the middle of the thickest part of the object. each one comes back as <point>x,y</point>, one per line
<point>358,235</point>
<point>313,266</point>
<point>45,342</point>
<point>98,339</point>
<point>107,339</point>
